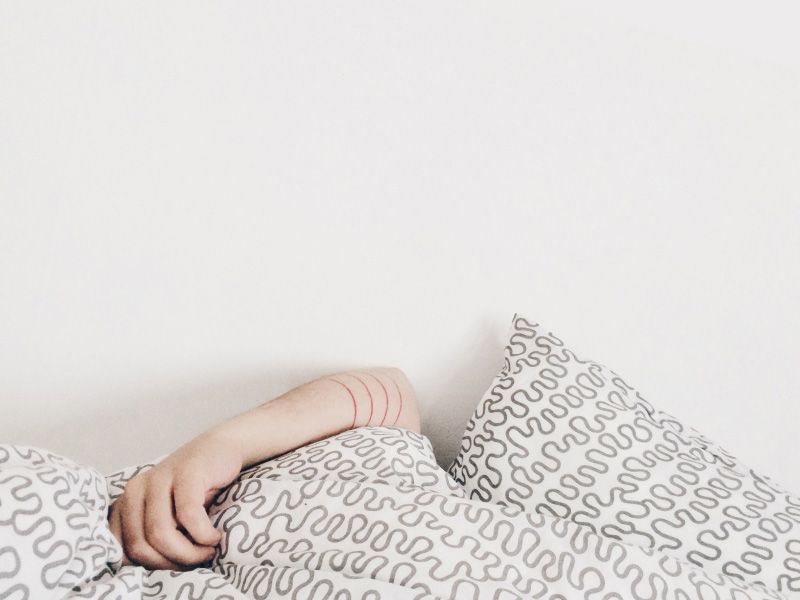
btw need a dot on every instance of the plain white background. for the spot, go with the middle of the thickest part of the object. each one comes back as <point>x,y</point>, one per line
<point>206,204</point>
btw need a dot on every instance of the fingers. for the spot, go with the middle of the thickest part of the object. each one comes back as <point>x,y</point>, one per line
<point>137,548</point>
<point>189,495</point>
<point>160,527</point>
<point>115,525</point>
<point>162,522</point>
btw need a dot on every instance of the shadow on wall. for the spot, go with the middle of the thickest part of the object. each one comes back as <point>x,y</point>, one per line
<point>140,425</point>
<point>458,384</point>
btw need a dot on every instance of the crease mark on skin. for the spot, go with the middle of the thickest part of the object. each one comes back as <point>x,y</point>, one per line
<point>385,396</point>
<point>352,397</point>
<point>371,406</point>
<point>400,397</point>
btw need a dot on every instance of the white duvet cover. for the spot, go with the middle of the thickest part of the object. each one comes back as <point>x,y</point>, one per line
<point>365,514</point>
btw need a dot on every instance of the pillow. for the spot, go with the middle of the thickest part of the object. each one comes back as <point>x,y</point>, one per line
<point>568,437</point>
<point>386,455</point>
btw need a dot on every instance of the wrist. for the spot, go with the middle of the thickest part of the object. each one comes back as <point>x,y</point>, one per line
<point>226,438</point>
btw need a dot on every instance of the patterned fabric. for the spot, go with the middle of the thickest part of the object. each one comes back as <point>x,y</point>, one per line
<point>366,514</point>
<point>53,529</point>
<point>567,437</point>
<point>387,455</point>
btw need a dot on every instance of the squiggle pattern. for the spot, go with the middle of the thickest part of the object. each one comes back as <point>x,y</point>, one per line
<point>569,438</point>
<point>366,514</point>
<point>53,529</point>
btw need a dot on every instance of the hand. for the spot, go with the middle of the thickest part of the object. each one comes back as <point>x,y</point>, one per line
<point>161,519</point>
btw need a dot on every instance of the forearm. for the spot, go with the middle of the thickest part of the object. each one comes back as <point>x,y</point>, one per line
<point>157,504</point>
<point>319,409</point>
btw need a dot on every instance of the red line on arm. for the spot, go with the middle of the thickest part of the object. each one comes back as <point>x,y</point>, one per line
<point>400,395</point>
<point>369,418</point>
<point>352,397</point>
<point>385,395</point>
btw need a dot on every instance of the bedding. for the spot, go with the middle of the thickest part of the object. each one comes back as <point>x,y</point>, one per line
<point>365,514</point>
<point>567,437</point>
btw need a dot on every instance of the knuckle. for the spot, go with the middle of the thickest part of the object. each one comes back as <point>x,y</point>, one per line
<point>185,475</point>
<point>157,538</point>
<point>184,507</point>
<point>137,550</point>
<point>157,477</point>
<point>136,482</point>
<point>132,491</point>
<point>185,512</point>
<point>124,503</point>
<point>152,532</point>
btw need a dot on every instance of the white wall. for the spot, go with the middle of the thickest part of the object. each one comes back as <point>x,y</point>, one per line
<point>203,205</point>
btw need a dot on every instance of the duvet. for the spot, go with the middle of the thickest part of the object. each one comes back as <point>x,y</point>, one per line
<point>365,514</point>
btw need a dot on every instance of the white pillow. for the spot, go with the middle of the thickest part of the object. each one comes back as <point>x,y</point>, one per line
<point>568,437</point>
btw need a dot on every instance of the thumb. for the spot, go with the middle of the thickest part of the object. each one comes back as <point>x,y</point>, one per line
<point>189,497</point>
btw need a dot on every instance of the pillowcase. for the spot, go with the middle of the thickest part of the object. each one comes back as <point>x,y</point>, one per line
<point>564,436</point>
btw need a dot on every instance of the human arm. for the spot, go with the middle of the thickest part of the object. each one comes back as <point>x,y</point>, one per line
<point>161,519</point>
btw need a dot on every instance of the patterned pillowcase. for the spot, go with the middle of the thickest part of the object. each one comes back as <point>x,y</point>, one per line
<point>387,455</point>
<point>568,437</point>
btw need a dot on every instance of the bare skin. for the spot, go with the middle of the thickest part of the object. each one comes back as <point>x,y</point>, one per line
<point>161,519</point>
